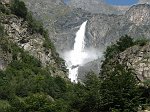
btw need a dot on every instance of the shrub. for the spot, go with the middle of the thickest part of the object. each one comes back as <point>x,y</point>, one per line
<point>19,8</point>
<point>1,30</point>
<point>122,44</point>
<point>120,90</point>
<point>34,25</point>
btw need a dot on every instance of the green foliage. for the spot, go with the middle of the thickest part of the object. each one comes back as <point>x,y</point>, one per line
<point>117,93</point>
<point>38,102</point>
<point>120,90</point>
<point>93,98</point>
<point>122,44</point>
<point>141,41</point>
<point>19,8</point>
<point>120,86</point>
<point>1,30</point>
<point>26,86</point>
<point>147,83</point>
<point>4,9</point>
<point>4,105</point>
<point>146,92</point>
<point>34,25</point>
<point>27,75</point>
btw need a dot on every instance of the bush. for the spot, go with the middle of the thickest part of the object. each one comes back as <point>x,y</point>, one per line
<point>19,8</point>
<point>120,90</point>
<point>34,25</point>
<point>1,30</point>
<point>141,42</point>
<point>122,44</point>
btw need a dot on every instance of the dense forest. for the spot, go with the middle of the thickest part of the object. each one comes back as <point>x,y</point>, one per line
<point>26,86</point>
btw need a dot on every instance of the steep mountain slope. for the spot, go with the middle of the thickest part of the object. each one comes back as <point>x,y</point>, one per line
<point>60,20</point>
<point>102,29</point>
<point>17,31</point>
<point>98,6</point>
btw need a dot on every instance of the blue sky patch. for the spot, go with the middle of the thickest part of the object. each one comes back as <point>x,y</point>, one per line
<point>121,2</point>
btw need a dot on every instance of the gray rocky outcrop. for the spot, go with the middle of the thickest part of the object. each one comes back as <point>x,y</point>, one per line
<point>138,59</point>
<point>135,58</point>
<point>102,29</point>
<point>17,32</point>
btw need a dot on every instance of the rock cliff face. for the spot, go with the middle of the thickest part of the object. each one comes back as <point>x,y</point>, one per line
<point>138,59</point>
<point>47,10</point>
<point>102,29</point>
<point>61,20</point>
<point>139,14</point>
<point>66,28</point>
<point>17,32</point>
<point>97,6</point>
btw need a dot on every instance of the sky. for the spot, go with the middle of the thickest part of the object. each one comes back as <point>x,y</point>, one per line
<point>119,2</point>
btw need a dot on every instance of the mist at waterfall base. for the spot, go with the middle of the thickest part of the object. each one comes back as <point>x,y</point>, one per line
<point>79,55</point>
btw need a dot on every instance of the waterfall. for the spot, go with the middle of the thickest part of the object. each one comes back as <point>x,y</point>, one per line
<point>77,55</point>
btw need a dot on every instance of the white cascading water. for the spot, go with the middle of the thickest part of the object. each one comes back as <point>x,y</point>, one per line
<point>77,55</point>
